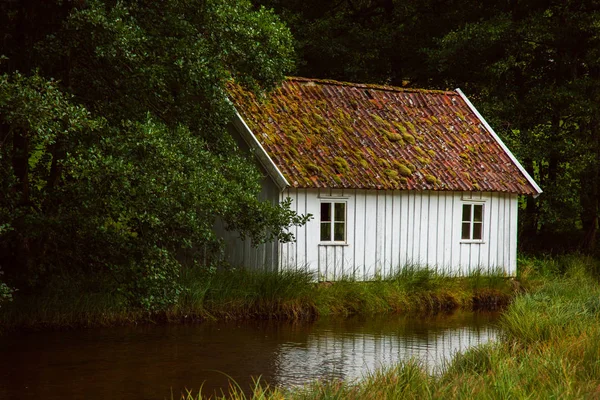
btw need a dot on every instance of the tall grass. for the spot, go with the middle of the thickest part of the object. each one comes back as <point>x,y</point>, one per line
<point>550,349</point>
<point>239,293</point>
<point>414,289</point>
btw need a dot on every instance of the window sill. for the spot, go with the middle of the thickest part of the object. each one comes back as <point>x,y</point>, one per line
<point>333,244</point>
<point>472,241</point>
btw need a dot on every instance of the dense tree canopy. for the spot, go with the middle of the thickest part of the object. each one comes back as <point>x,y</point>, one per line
<point>114,154</point>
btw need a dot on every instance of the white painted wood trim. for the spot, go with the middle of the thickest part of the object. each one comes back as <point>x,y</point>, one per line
<point>500,142</point>
<point>262,154</point>
<point>332,197</point>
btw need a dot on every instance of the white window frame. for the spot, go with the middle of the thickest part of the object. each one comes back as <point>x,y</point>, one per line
<point>332,202</point>
<point>472,222</point>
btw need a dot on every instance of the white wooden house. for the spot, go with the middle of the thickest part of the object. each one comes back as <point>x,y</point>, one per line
<point>392,177</point>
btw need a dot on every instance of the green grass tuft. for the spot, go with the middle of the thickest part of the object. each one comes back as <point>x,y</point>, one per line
<point>211,294</point>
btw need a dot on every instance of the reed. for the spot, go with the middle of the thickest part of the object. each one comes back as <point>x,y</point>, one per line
<point>240,293</point>
<point>217,294</point>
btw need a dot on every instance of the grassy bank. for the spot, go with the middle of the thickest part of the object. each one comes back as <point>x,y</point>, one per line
<point>550,349</point>
<point>239,294</point>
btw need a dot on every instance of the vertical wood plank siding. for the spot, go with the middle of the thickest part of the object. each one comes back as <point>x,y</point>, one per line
<point>389,229</point>
<point>241,253</point>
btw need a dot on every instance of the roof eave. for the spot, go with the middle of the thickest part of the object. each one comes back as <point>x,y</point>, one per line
<point>501,143</point>
<point>262,155</point>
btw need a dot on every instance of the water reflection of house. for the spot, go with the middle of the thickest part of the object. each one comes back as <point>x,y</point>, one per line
<point>392,176</point>
<point>349,354</point>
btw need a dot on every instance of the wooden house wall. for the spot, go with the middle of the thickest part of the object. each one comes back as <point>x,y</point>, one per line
<point>388,229</point>
<point>242,253</point>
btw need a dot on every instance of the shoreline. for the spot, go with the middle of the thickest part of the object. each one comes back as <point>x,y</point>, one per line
<point>247,295</point>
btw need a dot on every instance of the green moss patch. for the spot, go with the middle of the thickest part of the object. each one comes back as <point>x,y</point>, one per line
<point>391,173</point>
<point>392,136</point>
<point>432,180</point>
<point>399,127</point>
<point>423,160</point>
<point>409,138</point>
<point>313,168</point>
<point>404,170</point>
<point>341,164</point>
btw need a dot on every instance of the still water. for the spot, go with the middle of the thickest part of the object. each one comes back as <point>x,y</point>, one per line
<point>147,362</point>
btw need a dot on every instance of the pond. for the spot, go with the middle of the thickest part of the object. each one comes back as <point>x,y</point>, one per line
<point>147,362</point>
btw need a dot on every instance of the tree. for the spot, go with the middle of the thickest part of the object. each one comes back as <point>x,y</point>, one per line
<point>537,75</point>
<point>114,155</point>
<point>372,41</point>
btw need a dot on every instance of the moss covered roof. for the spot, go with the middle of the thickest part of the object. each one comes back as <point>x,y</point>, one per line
<point>323,133</point>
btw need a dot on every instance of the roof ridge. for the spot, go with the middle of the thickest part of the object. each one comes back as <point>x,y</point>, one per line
<point>373,86</point>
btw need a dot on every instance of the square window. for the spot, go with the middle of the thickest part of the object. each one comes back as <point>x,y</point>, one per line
<point>477,230</point>
<point>466,214</point>
<point>340,212</point>
<point>477,213</point>
<point>339,232</point>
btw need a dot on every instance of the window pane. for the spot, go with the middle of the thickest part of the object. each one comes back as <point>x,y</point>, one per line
<point>466,230</point>
<point>326,232</point>
<point>466,214</point>
<point>340,212</point>
<point>478,213</point>
<point>477,230</point>
<point>326,212</point>
<point>339,234</point>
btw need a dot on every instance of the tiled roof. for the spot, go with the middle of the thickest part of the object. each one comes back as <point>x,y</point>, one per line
<point>322,133</point>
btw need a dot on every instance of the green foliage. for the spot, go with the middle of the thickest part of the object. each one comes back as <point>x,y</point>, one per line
<point>379,41</point>
<point>6,293</point>
<point>117,159</point>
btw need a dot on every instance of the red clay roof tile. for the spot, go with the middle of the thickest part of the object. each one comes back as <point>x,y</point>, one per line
<point>323,133</point>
